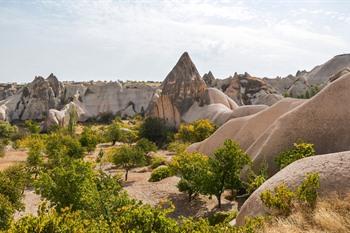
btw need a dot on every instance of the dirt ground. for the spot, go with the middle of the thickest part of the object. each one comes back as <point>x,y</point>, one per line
<point>12,157</point>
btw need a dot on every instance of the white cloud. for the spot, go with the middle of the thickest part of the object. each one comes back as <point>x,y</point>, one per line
<point>110,39</point>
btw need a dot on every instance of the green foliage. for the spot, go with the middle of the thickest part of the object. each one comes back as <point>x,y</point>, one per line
<point>70,184</point>
<point>73,119</point>
<point>196,131</point>
<point>282,199</point>
<point>6,131</point>
<point>307,191</point>
<point>12,183</point>
<point>178,147</point>
<point>155,130</point>
<point>128,157</point>
<point>128,136</point>
<point>32,126</point>
<point>6,212</point>
<point>157,161</point>
<point>2,149</point>
<point>160,173</point>
<point>255,183</point>
<point>221,217</point>
<point>224,169</point>
<point>114,132</point>
<point>89,139</point>
<point>146,145</point>
<point>192,168</point>
<point>60,147</point>
<point>35,155</point>
<point>299,151</point>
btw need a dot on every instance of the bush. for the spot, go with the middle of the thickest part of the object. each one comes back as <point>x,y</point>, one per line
<point>6,212</point>
<point>299,151</point>
<point>89,139</point>
<point>114,132</point>
<point>32,126</point>
<point>160,173</point>
<point>178,147</point>
<point>6,131</point>
<point>155,130</point>
<point>221,217</point>
<point>146,145</point>
<point>128,136</point>
<point>128,157</point>
<point>255,183</point>
<point>307,191</point>
<point>282,199</point>
<point>196,131</point>
<point>157,161</point>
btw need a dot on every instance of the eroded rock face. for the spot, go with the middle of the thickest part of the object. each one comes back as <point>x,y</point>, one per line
<point>34,100</point>
<point>303,81</point>
<point>246,90</point>
<point>320,120</point>
<point>7,90</point>
<point>334,171</point>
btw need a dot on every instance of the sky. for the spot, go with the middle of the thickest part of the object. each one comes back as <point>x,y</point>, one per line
<point>84,40</point>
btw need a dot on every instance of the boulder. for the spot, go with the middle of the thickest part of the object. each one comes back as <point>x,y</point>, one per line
<point>334,171</point>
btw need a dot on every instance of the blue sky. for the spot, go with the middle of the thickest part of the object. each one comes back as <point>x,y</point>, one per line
<point>142,40</point>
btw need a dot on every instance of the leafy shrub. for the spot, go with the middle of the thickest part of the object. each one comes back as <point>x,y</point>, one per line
<point>128,136</point>
<point>196,131</point>
<point>114,132</point>
<point>6,131</point>
<point>177,147</point>
<point>221,217</point>
<point>299,151</point>
<point>155,130</point>
<point>255,183</point>
<point>89,139</point>
<point>146,145</point>
<point>307,191</point>
<point>32,126</point>
<point>281,199</point>
<point>160,173</point>
<point>6,212</point>
<point>157,161</point>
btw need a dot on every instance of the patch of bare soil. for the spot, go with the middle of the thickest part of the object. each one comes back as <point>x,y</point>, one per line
<point>12,157</point>
<point>31,202</point>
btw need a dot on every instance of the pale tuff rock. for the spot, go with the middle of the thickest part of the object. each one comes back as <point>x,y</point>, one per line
<point>333,169</point>
<point>33,101</point>
<point>186,98</point>
<point>7,90</point>
<point>266,134</point>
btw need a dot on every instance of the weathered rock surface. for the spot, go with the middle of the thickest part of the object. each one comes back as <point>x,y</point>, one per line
<point>186,98</point>
<point>33,101</point>
<point>7,90</point>
<point>334,171</point>
<point>319,120</point>
<point>304,81</point>
<point>245,89</point>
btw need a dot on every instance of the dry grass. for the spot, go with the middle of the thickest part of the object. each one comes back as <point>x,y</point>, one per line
<point>330,215</point>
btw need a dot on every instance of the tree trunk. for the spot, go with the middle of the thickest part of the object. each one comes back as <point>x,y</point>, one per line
<point>126,175</point>
<point>189,197</point>
<point>219,200</point>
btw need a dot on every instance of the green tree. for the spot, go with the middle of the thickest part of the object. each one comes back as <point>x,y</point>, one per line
<point>35,155</point>
<point>155,130</point>
<point>6,212</point>
<point>114,132</point>
<point>32,126</point>
<point>73,119</point>
<point>89,139</point>
<point>6,131</point>
<point>196,131</point>
<point>60,146</point>
<point>128,157</point>
<point>146,145</point>
<point>299,151</point>
<point>224,169</point>
<point>191,167</point>
<point>69,185</point>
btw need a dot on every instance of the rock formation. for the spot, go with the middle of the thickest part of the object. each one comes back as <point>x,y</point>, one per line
<point>334,171</point>
<point>319,120</point>
<point>245,89</point>
<point>33,101</point>
<point>304,81</point>
<point>185,98</point>
<point>7,90</point>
